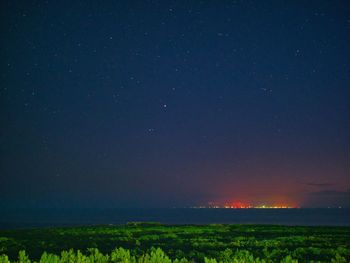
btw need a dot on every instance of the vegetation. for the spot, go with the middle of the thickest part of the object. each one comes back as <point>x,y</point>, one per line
<point>151,242</point>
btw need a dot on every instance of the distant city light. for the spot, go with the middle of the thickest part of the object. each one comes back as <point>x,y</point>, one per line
<point>241,205</point>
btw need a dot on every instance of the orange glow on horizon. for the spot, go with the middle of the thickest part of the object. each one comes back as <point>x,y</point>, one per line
<point>237,204</point>
<point>245,205</point>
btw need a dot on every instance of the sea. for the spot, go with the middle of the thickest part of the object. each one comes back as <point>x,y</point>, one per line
<point>66,218</point>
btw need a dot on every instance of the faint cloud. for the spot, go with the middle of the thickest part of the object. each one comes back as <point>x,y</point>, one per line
<point>318,184</point>
<point>332,193</point>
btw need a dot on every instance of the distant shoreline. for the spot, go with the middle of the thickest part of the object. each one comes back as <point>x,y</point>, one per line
<point>38,218</point>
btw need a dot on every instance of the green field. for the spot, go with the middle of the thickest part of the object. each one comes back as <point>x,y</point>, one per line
<point>152,242</point>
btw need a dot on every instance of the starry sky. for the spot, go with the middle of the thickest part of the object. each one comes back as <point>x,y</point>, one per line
<point>174,103</point>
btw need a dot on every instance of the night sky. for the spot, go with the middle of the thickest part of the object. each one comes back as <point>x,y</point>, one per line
<point>174,103</point>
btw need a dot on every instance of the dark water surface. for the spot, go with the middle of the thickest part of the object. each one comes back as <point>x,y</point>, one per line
<point>302,216</point>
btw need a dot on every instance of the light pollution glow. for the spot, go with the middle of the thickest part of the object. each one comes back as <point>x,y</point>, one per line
<point>242,205</point>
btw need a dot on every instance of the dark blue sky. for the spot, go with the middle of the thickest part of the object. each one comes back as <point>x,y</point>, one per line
<point>174,103</point>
